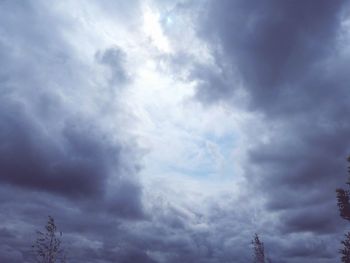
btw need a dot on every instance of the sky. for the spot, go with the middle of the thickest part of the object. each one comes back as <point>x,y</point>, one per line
<point>163,131</point>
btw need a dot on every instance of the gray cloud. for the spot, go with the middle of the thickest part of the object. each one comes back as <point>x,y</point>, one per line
<point>290,60</point>
<point>47,143</point>
<point>114,59</point>
<point>59,157</point>
<point>77,165</point>
<point>274,46</point>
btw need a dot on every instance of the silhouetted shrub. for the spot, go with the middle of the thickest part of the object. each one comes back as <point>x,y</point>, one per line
<point>47,247</point>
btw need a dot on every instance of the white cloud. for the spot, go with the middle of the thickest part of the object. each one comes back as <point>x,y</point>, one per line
<point>193,152</point>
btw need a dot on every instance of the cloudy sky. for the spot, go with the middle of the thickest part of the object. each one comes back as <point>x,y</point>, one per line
<point>166,131</point>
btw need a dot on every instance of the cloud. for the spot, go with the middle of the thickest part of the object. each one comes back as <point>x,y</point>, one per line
<point>75,165</point>
<point>114,58</point>
<point>274,47</point>
<point>83,88</point>
<point>8,254</point>
<point>288,58</point>
<point>59,148</point>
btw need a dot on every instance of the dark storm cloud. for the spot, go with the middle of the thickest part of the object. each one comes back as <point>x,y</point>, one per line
<point>308,219</point>
<point>76,165</point>
<point>9,255</point>
<point>290,58</point>
<point>46,143</point>
<point>133,255</point>
<point>208,78</point>
<point>57,156</point>
<point>274,45</point>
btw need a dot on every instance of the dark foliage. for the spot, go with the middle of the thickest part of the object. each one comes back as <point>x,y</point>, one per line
<point>343,203</point>
<point>47,247</point>
<point>258,250</point>
<point>343,197</point>
<point>346,250</point>
<point>343,200</point>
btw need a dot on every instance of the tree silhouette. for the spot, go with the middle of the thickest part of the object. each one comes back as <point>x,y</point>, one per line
<point>258,250</point>
<point>346,250</point>
<point>47,246</point>
<point>343,198</point>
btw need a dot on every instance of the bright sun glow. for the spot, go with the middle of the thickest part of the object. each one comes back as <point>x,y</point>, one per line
<point>153,30</point>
